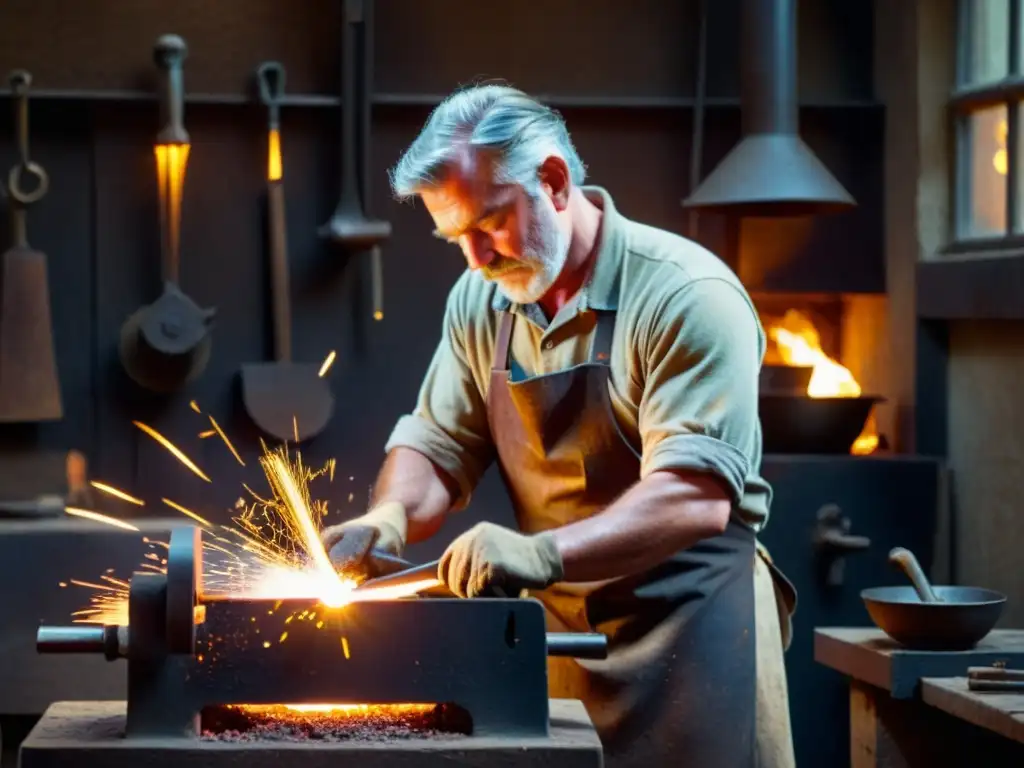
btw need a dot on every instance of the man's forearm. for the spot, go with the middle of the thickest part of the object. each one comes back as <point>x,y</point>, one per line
<point>425,491</point>
<point>660,515</point>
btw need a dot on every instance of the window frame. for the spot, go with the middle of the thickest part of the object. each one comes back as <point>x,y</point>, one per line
<point>969,98</point>
<point>978,277</point>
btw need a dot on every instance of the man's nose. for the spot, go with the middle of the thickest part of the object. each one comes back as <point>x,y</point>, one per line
<point>478,249</point>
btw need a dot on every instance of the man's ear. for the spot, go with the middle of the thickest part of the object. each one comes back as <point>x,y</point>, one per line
<point>553,175</point>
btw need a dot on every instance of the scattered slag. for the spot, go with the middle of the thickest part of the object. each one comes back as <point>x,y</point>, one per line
<point>275,722</point>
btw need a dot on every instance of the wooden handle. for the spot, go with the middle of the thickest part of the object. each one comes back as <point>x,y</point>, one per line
<point>904,559</point>
<point>280,283</point>
<point>377,267</point>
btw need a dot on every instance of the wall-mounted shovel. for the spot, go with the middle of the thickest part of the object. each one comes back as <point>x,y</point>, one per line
<point>349,226</point>
<point>166,344</point>
<point>29,387</point>
<point>287,400</point>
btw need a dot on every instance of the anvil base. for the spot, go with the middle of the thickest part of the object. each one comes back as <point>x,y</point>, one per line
<point>90,734</point>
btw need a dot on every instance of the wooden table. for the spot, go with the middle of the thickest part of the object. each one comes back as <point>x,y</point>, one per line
<point>1000,712</point>
<point>891,688</point>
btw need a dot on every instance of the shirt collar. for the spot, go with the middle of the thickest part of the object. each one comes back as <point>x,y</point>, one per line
<point>601,291</point>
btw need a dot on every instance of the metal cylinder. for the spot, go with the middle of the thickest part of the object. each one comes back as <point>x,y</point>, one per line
<point>110,641</point>
<point>578,645</point>
<point>74,639</point>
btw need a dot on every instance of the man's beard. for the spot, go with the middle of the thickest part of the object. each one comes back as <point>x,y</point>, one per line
<point>545,249</point>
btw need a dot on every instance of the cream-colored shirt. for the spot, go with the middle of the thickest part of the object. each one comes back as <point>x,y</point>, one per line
<point>686,354</point>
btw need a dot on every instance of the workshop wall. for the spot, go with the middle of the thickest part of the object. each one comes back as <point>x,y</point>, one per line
<point>628,103</point>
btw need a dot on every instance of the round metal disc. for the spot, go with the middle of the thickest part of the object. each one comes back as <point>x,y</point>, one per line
<point>184,575</point>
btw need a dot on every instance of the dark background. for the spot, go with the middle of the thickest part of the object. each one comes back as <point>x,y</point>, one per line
<point>623,75</point>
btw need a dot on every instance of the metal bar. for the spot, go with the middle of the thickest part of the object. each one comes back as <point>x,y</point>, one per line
<point>993,246</point>
<point>74,639</point>
<point>111,641</point>
<point>963,31</point>
<point>1013,49</point>
<point>697,144</point>
<point>431,100</point>
<point>971,98</point>
<point>578,645</point>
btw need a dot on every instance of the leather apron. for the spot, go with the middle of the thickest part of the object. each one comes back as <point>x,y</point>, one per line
<point>679,684</point>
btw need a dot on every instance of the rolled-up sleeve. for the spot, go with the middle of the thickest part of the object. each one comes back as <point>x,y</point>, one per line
<point>698,412</point>
<point>449,424</point>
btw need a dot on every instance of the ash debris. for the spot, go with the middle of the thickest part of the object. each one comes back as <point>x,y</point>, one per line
<point>280,724</point>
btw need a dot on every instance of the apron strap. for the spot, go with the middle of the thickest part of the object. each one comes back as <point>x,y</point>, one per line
<point>502,343</point>
<point>601,350</point>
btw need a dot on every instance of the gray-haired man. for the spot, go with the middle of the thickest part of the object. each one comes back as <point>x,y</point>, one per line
<point>611,369</point>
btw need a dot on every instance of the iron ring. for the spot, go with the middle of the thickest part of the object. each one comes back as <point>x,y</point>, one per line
<point>14,185</point>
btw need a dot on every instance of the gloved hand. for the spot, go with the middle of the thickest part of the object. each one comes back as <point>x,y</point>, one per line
<point>388,519</point>
<point>489,555</point>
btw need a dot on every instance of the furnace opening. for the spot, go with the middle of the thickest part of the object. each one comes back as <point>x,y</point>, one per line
<point>333,722</point>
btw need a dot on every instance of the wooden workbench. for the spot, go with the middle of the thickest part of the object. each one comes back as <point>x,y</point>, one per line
<point>912,708</point>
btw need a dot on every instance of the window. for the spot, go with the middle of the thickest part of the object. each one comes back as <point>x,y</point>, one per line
<point>989,122</point>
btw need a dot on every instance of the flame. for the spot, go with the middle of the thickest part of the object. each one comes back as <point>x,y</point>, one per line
<point>171,162</point>
<point>274,166</point>
<point>799,344</point>
<point>339,709</point>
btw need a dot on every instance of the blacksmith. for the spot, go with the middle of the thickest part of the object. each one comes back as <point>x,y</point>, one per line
<point>611,369</point>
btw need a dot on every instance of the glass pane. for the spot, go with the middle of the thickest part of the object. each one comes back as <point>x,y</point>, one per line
<point>987,169</point>
<point>989,46</point>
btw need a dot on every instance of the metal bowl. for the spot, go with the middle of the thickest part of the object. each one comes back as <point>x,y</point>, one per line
<point>801,424</point>
<point>958,623</point>
<point>785,379</point>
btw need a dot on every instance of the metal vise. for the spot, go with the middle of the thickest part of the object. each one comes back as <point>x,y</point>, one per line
<point>185,653</point>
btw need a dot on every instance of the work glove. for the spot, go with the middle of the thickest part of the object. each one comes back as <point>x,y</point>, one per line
<point>489,556</point>
<point>387,520</point>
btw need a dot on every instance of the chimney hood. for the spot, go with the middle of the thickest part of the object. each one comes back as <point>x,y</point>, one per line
<point>771,172</point>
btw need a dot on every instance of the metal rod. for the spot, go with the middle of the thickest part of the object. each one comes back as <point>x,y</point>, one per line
<point>75,639</point>
<point>578,645</point>
<point>112,642</point>
<point>386,99</point>
<point>697,144</point>
<point>407,576</point>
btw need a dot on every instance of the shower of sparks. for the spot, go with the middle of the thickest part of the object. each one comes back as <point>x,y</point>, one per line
<point>271,551</point>
<point>325,366</point>
<point>175,451</point>
<point>99,518</point>
<point>116,493</point>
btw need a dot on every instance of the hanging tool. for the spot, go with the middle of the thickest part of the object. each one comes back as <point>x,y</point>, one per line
<point>166,344</point>
<point>29,386</point>
<point>349,226</point>
<point>289,401</point>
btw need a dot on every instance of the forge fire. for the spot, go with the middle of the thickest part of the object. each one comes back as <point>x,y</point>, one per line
<point>333,722</point>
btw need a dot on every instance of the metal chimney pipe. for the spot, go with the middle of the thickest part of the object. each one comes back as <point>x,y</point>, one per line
<point>771,172</point>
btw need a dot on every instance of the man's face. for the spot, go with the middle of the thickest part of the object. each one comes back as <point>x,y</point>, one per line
<point>513,238</point>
